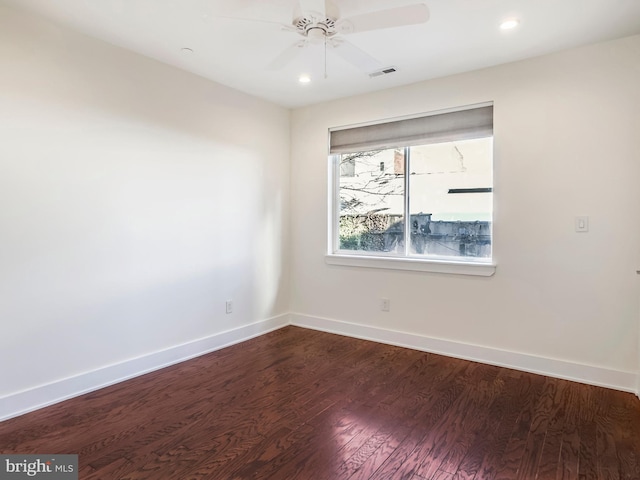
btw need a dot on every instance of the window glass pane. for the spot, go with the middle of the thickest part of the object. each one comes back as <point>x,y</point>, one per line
<point>451,199</point>
<point>371,191</point>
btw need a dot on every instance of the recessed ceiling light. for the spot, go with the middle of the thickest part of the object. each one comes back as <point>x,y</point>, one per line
<point>509,24</point>
<point>186,50</point>
<point>304,78</point>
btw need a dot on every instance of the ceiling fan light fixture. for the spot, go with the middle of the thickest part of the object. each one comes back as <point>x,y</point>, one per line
<point>316,33</point>
<point>509,24</point>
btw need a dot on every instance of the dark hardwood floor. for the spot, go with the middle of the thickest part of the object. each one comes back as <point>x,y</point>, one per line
<point>301,404</point>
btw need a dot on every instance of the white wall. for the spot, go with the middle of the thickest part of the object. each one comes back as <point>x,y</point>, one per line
<point>134,200</point>
<point>567,143</point>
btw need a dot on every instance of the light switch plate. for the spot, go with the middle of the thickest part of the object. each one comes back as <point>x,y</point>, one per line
<point>582,224</point>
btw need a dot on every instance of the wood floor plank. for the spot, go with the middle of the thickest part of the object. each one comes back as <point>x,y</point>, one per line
<point>404,461</point>
<point>587,464</point>
<point>549,404</point>
<point>569,454</point>
<point>485,437</point>
<point>522,395</point>
<point>483,394</point>
<point>301,404</point>
<point>552,447</point>
<point>447,436</point>
<point>607,460</point>
<point>366,469</point>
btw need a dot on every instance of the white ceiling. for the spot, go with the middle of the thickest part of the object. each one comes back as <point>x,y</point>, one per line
<point>234,41</point>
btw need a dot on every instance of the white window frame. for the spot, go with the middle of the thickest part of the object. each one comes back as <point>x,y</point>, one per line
<point>383,260</point>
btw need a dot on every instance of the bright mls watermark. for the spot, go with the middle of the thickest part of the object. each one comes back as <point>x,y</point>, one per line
<point>50,467</point>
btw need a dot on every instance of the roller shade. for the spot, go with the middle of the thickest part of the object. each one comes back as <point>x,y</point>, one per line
<point>443,127</point>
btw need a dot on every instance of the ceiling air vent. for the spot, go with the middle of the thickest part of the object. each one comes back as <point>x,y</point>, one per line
<point>384,71</point>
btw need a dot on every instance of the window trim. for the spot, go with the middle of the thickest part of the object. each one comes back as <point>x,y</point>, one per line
<point>433,265</point>
<point>337,257</point>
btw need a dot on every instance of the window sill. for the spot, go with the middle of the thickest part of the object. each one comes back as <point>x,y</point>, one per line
<point>413,264</point>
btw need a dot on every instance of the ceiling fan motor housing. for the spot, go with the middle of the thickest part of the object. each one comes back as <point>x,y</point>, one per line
<point>314,22</point>
<point>309,26</point>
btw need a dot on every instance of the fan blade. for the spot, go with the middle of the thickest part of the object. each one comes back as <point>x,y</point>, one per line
<point>393,17</point>
<point>256,20</point>
<point>287,56</point>
<point>354,55</point>
<point>313,7</point>
<point>219,7</point>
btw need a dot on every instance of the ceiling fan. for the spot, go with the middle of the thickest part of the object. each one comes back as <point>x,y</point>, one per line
<point>319,22</point>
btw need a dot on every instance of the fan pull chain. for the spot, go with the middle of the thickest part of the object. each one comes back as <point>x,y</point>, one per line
<point>325,58</point>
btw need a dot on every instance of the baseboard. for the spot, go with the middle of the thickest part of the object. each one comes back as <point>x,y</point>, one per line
<point>592,375</point>
<point>41,396</point>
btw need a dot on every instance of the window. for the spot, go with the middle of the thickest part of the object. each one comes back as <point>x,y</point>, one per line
<point>415,189</point>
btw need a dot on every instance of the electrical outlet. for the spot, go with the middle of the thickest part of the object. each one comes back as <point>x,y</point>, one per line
<point>229,306</point>
<point>385,304</point>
